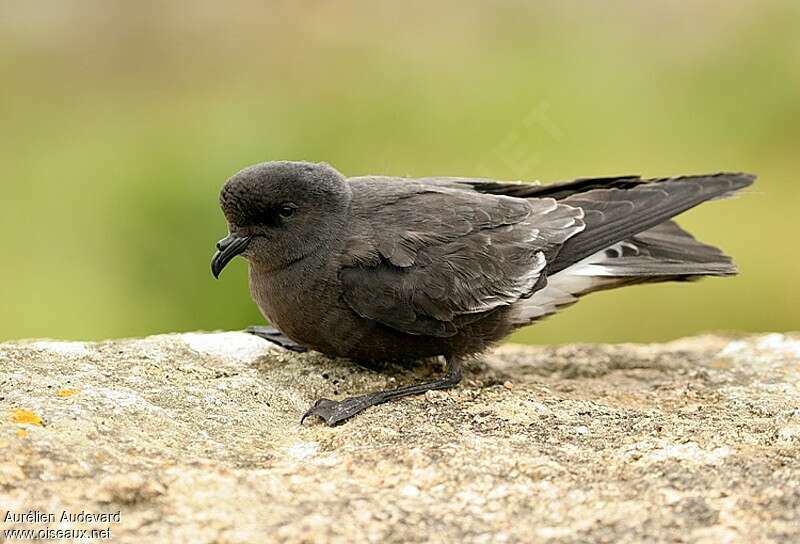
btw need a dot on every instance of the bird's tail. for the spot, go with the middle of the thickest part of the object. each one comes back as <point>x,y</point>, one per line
<point>630,238</point>
<point>664,253</point>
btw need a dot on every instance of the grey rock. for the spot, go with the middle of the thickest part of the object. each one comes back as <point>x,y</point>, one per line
<point>195,438</point>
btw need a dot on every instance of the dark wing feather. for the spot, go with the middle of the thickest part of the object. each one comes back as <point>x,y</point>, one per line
<point>613,215</point>
<point>524,189</point>
<point>518,189</point>
<point>435,259</point>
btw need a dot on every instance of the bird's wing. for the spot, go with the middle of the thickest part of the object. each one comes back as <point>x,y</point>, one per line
<point>443,256</point>
<point>428,260</point>
<point>615,207</point>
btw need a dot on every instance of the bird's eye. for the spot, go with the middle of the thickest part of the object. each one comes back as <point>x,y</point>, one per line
<point>287,210</point>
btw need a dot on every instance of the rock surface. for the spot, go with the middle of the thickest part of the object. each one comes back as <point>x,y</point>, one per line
<point>195,438</point>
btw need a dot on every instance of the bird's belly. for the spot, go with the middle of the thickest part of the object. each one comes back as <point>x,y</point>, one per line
<point>340,332</point>
<point>337,331</point>
<point>313,316</point>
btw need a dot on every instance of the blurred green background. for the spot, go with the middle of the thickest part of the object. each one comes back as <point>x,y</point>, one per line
<point>121,120</point>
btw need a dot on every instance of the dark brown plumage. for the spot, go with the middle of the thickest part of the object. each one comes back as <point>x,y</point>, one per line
<point>380,268</point>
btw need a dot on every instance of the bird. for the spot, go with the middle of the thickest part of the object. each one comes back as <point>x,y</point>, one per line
<point>381,268</point>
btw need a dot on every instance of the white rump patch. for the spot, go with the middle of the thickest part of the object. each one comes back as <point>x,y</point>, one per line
<point>561,289</point>
<point>564,287</point>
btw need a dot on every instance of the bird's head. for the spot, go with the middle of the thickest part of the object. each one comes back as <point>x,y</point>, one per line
<point>278,212</point>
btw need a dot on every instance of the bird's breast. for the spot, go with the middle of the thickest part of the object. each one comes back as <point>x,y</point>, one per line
<point>301,301</point>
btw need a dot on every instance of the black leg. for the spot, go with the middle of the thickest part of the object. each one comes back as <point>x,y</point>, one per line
<point>275,336</point>
<point>334,412</point>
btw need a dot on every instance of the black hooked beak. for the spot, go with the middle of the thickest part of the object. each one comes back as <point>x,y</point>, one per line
<point>228,248</point>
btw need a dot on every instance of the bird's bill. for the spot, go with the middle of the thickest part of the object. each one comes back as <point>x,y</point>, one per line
<point>228,248</point>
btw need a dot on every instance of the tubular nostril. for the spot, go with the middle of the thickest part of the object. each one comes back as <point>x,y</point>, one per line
<point>225,242</point>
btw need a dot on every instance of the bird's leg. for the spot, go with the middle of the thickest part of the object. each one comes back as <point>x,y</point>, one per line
<point>275,336</point>
<point>334,412</point>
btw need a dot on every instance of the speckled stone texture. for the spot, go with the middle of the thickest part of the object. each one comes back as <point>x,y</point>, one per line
<point>195,438</point>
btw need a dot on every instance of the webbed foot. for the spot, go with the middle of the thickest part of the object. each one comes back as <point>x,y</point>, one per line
<point>334,412</point>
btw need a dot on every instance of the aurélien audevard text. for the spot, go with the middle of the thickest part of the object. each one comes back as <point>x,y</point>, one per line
<point>65,516</point>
